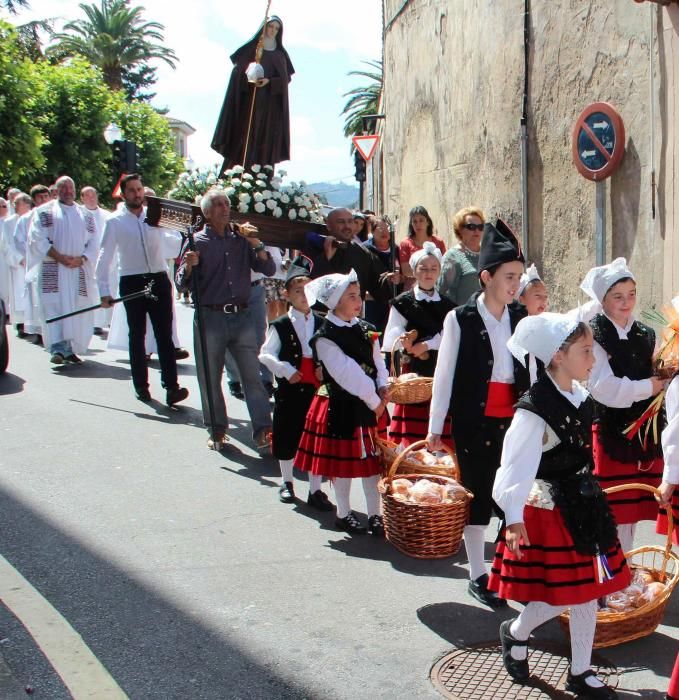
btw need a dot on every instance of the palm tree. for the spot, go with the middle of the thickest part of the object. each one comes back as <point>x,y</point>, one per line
<point>12,5</point>
<point>115,38</point>
<point>362,100</point>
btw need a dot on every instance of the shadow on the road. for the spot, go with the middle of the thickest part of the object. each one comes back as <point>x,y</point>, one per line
<point>184,368</point>
<point>11,384</point>
<point>92,368</point>
<point>152,648</point>
<point>461,624</point>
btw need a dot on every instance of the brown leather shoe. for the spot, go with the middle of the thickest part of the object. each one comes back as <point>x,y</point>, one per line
<point>173,396</point>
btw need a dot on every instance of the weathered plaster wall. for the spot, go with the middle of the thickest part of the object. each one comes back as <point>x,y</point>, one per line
<point>452,95</point>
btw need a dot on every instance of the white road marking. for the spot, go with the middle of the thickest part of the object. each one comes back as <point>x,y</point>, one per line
<point>80,670</point>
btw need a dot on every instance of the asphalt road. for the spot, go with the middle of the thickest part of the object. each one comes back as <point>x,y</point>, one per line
<point>185,576</point>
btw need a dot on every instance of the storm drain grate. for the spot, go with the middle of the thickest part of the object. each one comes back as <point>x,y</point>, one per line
<point>478,672</point>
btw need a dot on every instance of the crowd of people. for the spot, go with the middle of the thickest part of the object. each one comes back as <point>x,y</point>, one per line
<point>318,330</point>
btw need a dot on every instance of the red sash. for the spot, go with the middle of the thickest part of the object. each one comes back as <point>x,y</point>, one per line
<point>308,371</point>
<point>501,400</point>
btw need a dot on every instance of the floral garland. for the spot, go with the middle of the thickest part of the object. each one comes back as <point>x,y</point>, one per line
<point>258,191</point>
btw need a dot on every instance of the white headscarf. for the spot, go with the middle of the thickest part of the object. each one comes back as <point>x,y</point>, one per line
<point>428,248</point>
<point>329,288</point>
<point>541,335</point>
<point>600,279</point>
<point>530,275</point>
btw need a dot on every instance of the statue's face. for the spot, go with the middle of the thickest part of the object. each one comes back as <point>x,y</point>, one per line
<point>272,29</point>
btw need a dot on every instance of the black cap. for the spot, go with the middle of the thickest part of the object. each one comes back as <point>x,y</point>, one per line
<point>498,245</point>
<point>300,267</point>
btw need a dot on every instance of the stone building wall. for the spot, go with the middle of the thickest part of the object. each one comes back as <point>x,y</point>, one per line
<point>453,86</point>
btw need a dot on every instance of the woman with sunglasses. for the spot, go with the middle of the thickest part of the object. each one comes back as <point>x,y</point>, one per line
<point>459,269</point>
<point>420,230</point>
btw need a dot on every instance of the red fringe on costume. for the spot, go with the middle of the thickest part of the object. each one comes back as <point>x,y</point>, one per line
<point>322,454</point>
<point>673,689</point>
<point>661,522</point>
<point>628,506</point>
<point>550,569</point>
<point>410,423</point>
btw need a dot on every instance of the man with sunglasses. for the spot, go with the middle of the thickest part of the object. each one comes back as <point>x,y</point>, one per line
<point>459,268</point>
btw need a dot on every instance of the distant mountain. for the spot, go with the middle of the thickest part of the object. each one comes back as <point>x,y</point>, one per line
<point>338,194</point>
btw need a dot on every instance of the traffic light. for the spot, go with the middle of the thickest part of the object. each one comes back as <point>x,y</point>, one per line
<point>359,164</point>
<point>124,157</point>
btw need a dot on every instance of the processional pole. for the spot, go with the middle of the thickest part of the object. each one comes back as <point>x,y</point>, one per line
<point>258,57</point>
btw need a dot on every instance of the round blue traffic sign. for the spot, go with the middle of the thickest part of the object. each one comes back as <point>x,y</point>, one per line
<point>598,141</point>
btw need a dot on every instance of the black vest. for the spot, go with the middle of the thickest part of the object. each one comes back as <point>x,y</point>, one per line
<point>426,317</point>
<point>291,348</point>
<point>631,358</point>
<point>475,367</point>
<point>578,496</point>
<point>346,412</point>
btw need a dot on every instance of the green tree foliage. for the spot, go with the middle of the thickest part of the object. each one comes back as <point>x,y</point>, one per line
<point>20,138</point>
<point>114,37</point>
<point>158,162</point>
<point>362,100</point>
<point>13,5</point>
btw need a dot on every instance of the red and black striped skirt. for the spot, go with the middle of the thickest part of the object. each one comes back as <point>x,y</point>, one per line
<point>326,455</point>
<point>661,522</point>
<point>631,505</point>
<point>410,423</point>
<point>550,569</point>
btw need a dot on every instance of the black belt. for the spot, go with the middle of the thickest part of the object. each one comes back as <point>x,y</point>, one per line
<point>226,308</point>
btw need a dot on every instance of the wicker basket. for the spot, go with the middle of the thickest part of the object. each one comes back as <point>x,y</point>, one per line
<point>389,453</point>
<point>422,531</point>
<point>614,628</point>
<point>404,391</point>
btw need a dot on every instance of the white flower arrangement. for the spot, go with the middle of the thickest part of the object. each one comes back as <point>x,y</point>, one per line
<point>258,191</point>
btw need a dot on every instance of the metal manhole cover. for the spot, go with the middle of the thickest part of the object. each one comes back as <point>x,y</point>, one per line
<point>478,672</point>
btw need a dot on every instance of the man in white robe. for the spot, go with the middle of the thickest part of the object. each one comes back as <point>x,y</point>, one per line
<point>4,268</point>
<point>16,260</point>
<point>63,239</point>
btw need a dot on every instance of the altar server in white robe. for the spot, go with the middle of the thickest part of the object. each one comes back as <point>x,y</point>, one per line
<point>16,260</point>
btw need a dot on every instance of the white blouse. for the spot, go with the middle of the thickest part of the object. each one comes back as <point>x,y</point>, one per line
<point>499,333</point>
<point>612,391</point>
<point>396,324</point>
<point>521,454</point>
<point>347,372</point>
<point>670,436</point>
<point>268,356</point>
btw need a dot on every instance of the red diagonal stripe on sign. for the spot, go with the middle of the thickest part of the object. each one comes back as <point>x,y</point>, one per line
<point>595,141</point>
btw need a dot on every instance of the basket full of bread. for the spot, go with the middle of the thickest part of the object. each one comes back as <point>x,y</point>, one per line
<point>424,514</point>
<point>417,461</point>
<point>408,387</point>
<point>637,610</point>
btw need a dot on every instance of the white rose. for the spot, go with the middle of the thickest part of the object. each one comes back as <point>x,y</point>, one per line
<point>297,200</point>
<point>260,208</point>
<point>230,191</point>
<point>285,199</point>
<point>243,208</point>
<point>271,204</point>
<point>268,167</point>
<point>245,197</point>
<point>236,182</point>
<point>246,185</point>
<point>282,173</point>
<point>278,212</point>
<point>228,173</point>
<point>266,194</point>
<point>247,176</point>
<point>237,169</point>
<point>211,179</point>
<point>303,213</point>
<point>258,196</point>
<point>292,215</point>
<point>275,185</point>
<point>256,168</point>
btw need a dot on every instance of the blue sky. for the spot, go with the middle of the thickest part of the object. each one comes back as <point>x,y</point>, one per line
<point>325,40</point>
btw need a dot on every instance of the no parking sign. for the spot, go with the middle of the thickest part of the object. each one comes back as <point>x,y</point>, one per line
<point>598,141</point>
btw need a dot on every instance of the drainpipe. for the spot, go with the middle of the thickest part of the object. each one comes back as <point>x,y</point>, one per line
<point>651,66</point>
<point>524,128</point>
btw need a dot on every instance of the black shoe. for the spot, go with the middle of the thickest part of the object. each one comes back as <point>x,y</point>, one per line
<point>269,389</point>
<point>236,390</point>
<point>37,340</point>
<point>286,493</point>
<point>518,670</point>
<point>376,525</point>
<point>320,501</point>
<point>350,524</point>
<point>479,589</point>
<point>143,395</point>
<point>20,331</point>
<point>98,330</point>
<point>173,396</point>
<point>73,359</point>
<point>57,358</point>
<point>180,353</point>
<point>578,685</point>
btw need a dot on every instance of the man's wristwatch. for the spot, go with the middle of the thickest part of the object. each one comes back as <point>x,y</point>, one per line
<point>259,248</point>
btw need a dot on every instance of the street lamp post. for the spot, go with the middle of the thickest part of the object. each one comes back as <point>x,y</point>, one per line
<point>112,133</point>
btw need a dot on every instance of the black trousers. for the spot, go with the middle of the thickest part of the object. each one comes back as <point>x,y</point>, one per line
<point>160,313</point>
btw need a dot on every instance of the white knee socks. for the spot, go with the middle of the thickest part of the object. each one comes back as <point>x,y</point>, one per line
<point>372,495</point>
<point>342,494</point>
<point>474,543</point>
<point>315,481</point>
<point>626,536</point>
<point>531,617</point>
<point>286,469</point>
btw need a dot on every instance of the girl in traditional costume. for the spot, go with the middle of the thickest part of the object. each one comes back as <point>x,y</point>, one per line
<point>337,440</point>
<point>559,548</point>
<point>416,321</point>
<point>623,385</point>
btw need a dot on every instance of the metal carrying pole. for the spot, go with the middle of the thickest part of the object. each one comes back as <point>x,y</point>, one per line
<point>146,292</point>
<point>600,222</point>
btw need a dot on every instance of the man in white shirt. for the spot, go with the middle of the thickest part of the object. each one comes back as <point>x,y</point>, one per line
<point>141,261</point>
<point>62,248</point>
